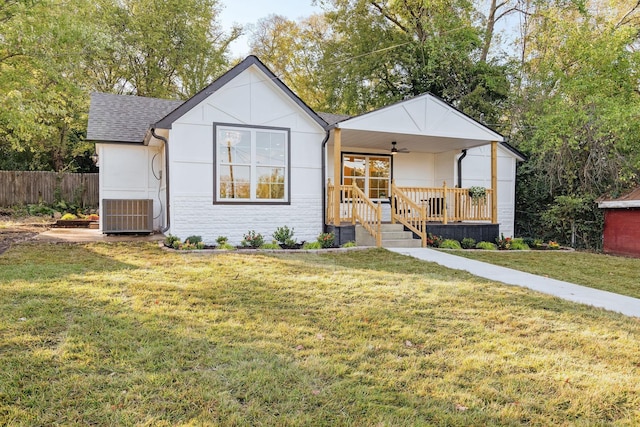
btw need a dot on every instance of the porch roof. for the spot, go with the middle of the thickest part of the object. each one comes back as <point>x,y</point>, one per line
<point>421,124</point>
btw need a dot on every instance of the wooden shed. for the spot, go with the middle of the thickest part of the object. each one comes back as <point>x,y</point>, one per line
<point>622,224</point>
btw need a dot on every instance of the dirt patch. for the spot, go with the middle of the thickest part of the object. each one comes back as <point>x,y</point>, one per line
<point>20,230</point>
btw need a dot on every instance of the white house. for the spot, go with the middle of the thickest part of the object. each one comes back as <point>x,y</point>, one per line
<point>246,154</point>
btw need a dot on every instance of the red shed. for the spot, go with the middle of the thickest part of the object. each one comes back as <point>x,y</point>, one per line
<point>622,224</point>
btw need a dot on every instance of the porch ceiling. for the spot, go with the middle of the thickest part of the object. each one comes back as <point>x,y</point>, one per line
<point>414,143</point>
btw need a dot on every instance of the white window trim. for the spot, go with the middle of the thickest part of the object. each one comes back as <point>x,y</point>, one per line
<point>253,200</point>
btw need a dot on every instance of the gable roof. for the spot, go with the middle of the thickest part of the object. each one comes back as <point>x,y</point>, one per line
<point>629,200</point>
<point>251,60</point>
<point>124,118</point>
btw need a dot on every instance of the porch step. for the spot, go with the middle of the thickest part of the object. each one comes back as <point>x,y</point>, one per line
<point>393,236</point>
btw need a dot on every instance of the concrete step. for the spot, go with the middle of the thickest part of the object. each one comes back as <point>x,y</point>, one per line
<point>393,236</point>
<point>402,243</point>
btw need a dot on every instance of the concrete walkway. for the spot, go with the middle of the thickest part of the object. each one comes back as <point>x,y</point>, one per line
<point>84,235</point>
<point>569,291</point>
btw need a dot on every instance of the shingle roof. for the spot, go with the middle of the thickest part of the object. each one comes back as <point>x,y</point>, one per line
<point>332,119</point>
<point>124,118</point>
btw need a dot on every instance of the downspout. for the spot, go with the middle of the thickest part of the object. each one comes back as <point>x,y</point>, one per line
<point>166,177</point>
<point>464,154</point>
<point>324,178</point>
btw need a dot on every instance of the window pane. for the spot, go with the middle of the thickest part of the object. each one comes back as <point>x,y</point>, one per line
<point>235,182</point>
<point>234,146</point>
<point>379,167</point>
<point>378,188</point>
<point>270,148</point>
<point>353,166</point>
<point>270,183</point>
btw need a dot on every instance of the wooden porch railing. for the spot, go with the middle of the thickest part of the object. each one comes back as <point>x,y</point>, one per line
<point>413,207</point>
<point>355,207</point>
<point>446,204</point>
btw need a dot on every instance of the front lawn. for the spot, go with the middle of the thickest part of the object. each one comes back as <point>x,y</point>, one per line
<point>123,334</point>
<point>609,273</point>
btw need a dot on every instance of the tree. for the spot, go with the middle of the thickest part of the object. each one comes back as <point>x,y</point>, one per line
<point>384,51</point>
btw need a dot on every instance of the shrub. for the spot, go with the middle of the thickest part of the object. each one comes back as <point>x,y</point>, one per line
<point>68,216</point>
<point>252,240</point>
<point>172,241</point>
<point>433,240</point>
<point>222,240</point>
<point>468,243</point>
<point>193,239</point>
<point>93,217</point>
<point>312,245</point>
<point>349,245</point>
<point>503,243</point>
<point>226,246</point>
<point>327,240</point>
<point>518,245</point>
<point>284,235</point>
<point>272,245</point>
<point>553,245</point>
<point>487,246</point>
<point>450,244</point>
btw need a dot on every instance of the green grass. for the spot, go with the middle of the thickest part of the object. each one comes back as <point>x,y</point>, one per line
<point>610,273</point>
<point>128,334</point>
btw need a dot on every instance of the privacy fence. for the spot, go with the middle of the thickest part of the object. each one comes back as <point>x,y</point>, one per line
<point>29,187</point>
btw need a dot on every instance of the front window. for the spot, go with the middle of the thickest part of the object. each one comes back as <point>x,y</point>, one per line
<point>251,164</point>
<point>371,173</point>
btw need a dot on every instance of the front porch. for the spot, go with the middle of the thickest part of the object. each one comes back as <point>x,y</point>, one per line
<point>452,213</point>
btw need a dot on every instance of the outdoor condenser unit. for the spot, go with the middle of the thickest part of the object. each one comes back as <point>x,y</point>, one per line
<point>127,216</point>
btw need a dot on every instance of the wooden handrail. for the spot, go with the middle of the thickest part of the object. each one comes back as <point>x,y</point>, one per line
<point>367,213</point>
<point>446,204</point>
<point>409,213</point>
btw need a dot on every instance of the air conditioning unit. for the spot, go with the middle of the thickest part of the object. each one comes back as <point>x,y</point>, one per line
<point>127,216</point>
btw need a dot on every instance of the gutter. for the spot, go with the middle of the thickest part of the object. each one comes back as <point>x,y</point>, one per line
<point>324,179</point>
<point>464,154</point>
<point>166,177</point>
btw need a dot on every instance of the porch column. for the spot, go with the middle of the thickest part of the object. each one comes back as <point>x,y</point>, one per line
<point>494,182</point>
<point>337,161</point>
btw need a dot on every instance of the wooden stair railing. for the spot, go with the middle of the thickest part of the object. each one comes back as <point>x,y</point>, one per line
<point>409,213</point>
<point>367,213</point>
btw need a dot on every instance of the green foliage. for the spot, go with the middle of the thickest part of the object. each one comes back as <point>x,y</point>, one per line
<point>503,243</point>
<point>518,244</point>
<point>487,246</point>
<point>40,210</point>
<point>284,236</point>
<point>68,216</point>
<point>221,240</point>
<point>252,240</point>
<point>433,240</point>
<point>450,244</point>
<point>172,241</point>
<point>468,243</point>
<point>193,239</point>
<point>272,246</point>
<point>327,240</point>
<point>225,246</point>
<point>312,245</point>
<point>349,245</point>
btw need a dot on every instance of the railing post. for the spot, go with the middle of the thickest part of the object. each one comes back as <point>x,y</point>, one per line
<point>393,202</point>
<point>423,225</point>
<point>353,204</point>
<point>379,226</point>
<point>444,203</point>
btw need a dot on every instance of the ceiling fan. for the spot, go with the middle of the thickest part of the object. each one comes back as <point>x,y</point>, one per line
<point>395,150</point>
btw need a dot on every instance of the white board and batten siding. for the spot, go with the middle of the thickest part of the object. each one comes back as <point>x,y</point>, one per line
<point>249,99</point>
<point>132,171</point>
<point>476,171</point>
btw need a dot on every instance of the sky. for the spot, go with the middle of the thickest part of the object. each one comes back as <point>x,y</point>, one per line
<point>245,12</point>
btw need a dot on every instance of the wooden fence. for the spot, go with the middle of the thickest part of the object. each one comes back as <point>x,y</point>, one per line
<point>30,187</point>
